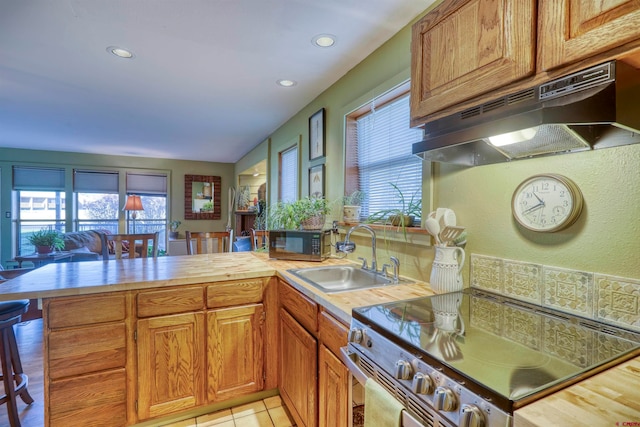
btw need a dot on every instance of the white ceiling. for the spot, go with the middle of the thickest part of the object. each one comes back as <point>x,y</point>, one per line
<point>202,85</point>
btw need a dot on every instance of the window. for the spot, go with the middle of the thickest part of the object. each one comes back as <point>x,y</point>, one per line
<point>379,157</point>
<point>152,189</point>
<point>97,201</point>
<point>288,185</point>
<point>42,203</point>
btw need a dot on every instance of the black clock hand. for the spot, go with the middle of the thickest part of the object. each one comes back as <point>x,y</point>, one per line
<point>539,199</point>
<point>533,208</point>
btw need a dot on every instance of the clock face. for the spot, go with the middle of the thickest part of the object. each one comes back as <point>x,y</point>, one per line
<point>546,203</point>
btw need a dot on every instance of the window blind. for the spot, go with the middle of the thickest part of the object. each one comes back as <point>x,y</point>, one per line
<point>88,181</point>
<point>146,183</point>
<point>384,157</point>
<point>31,178</point>
<point>289,175</point>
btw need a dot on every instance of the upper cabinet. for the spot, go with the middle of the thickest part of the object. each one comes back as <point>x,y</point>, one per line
<point>571,30</point>
<point>466,52</point>
<point>462,49</point>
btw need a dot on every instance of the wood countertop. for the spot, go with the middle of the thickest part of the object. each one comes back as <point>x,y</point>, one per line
<point>608,399</point>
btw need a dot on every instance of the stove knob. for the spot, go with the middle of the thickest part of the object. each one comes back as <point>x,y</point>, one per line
<point>403,370</point>
<point>471,416</point>
<point>422,384</point>
<point>445,399</point>
<point>355,335</point>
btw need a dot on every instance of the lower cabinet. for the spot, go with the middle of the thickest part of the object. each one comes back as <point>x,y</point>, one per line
<point>170,364</point>
<point>314,383</point>
<point>85,361</point>
<point>235,351</point>
<point>298,368</point>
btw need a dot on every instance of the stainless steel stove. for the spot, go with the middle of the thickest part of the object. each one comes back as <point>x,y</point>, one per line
<point>471,358</point>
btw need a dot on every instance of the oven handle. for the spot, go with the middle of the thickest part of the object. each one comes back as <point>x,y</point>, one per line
<point>347,358</point>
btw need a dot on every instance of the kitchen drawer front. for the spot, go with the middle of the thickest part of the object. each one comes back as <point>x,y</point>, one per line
<point>170,301</point>
<point>332,332</point>
<point>82,350</point>
<point>96,399</point>
<point>299,306</point>
<point>227,294</point>
<point>69,312</point>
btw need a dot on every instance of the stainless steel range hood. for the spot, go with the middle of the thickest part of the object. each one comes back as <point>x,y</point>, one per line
<point>595,108</point>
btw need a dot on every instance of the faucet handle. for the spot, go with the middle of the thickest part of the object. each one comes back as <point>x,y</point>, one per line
<point>384,269</point>
<point>396,268</point>
<point>364,263</point>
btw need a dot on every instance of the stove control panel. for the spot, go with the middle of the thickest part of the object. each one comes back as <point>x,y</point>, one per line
<point>436,392</point>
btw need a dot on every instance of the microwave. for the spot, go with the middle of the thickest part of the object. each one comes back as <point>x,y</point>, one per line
<point>300,245</point>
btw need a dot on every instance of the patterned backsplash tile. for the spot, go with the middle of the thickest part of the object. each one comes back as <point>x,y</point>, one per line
<point>608,299</point>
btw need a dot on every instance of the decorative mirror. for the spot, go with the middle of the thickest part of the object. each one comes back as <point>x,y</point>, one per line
<point>202,197</point>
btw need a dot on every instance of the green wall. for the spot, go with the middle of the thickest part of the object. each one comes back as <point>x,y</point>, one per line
<point>176,170</point>
<point>605,239</point>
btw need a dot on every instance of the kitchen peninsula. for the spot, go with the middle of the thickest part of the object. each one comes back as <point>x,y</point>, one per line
<point>107,325</point>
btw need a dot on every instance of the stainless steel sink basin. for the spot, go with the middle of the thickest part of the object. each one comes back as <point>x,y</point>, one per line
<point>341,278</point>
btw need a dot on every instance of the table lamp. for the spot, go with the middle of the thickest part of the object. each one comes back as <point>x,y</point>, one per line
<point>134,204</point>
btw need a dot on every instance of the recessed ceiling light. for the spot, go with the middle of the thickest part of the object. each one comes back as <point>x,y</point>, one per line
<point>324,40</point>
<point>286,83</point>
<point>120,52</point>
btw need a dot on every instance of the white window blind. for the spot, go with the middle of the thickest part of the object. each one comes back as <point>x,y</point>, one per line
<point>146,183</point>
<point>87,181</point>
<point>385,158</point>
<point>289,174</point>
<point>30,178</point>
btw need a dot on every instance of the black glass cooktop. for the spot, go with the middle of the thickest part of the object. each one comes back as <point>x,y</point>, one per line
<point>512,348</point>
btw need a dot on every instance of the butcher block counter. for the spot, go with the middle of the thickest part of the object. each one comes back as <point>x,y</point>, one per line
<point>608,399</point>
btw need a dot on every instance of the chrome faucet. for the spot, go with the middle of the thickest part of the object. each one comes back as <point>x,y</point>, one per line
<point>348,246</point>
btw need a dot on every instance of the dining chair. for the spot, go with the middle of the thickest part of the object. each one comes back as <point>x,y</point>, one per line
<point>204,241</point>
<point>119,246</point>
<point>259,239</point>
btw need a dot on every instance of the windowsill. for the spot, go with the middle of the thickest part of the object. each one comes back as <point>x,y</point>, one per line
<point>414,235</point>
<point>387,228</point>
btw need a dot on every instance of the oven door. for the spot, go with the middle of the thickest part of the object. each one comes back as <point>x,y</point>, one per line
<point>353,361</point>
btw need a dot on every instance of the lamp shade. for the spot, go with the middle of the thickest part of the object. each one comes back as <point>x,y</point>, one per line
<point>133,203</point>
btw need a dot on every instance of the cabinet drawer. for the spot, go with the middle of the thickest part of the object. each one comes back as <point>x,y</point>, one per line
<point>67,312</point>
<point>332,332</point>
<point>299,306</point>
<point>100,398</point>
<point>82,350</point>
<point>227,294</point>
<point>170,301</point>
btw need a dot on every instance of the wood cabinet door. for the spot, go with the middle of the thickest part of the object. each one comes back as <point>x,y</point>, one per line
<point>333,390</point>
<point>235,351</point>
<point>570,30</point>
<point>298,370</point>
<point>464,48</point>
<point>170,364</point>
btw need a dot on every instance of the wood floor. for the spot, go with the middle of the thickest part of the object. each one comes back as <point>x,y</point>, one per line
<point>264,413</point>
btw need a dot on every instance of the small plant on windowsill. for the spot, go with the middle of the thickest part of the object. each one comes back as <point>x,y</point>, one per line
<point>402,216</point>
<point>173,226</point>
<point>46,241</point>
<point>351,207</point>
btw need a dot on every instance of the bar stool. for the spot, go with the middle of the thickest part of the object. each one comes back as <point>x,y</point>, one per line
<point>14,379</point>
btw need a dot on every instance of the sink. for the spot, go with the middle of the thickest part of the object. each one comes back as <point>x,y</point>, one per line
<point>341,278</point>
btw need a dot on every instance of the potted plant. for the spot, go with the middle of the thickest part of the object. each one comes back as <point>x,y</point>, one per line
<point>173,226</point>
<point>351,207</point>
<point>46,241</point>
<point>401,216</point>
<point>307,213</point>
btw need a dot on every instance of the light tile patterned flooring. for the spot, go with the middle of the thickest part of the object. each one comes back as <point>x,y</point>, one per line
<point>269,412</point>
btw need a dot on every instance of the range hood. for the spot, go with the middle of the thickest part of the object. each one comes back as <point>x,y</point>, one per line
<point>595,108</point>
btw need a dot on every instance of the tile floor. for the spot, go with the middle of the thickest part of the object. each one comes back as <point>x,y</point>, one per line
<point>269,412</point>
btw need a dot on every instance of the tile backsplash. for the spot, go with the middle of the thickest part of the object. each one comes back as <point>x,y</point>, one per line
<point>608,299</point>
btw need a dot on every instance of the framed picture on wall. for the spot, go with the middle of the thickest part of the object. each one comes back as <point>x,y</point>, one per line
<point>316,135</point>
<point>316,181</point>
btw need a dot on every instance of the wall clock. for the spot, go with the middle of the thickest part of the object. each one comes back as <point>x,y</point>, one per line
<point>546,203</point>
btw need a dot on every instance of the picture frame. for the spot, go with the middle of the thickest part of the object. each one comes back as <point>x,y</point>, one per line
<point>316,181</point>
<point>317,140</point>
